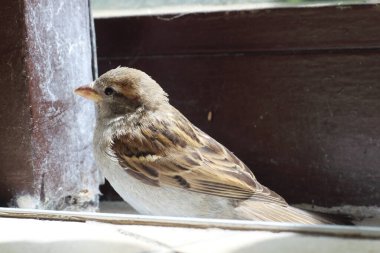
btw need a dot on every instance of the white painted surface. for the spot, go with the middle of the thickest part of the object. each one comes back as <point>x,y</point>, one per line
<point>59,59</point>
<point>21,235</point>
<point>118,8</point>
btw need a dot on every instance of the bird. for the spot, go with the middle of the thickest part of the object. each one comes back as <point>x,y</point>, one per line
<point>162,164</point>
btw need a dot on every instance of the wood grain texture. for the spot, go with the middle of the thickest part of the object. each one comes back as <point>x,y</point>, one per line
<point>46,159</point>
<point>294,93</point>
<point>306,126</point>
<point>296,29</point>
<point>14,112</point>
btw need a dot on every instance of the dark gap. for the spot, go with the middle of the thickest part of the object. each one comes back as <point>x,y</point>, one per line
<point>334,51</point>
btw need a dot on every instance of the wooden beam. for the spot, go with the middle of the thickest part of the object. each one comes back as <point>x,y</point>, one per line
<point>45,131</point>
<point>293,92</point>
<point>251,31</point>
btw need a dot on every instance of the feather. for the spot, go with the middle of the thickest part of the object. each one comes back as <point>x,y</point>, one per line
<point>175,153</point>
<point>264,211</point>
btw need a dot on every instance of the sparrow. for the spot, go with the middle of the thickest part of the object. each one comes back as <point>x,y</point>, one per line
<point>161,164</point>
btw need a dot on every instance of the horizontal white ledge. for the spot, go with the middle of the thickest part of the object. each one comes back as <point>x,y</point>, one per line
<point>206,8</point>
<point>132,219</point>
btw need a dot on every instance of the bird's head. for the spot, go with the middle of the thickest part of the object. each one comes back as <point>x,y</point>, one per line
<point>123,90</point>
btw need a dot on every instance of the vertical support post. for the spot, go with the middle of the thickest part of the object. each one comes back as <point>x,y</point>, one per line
<point>46,154</point>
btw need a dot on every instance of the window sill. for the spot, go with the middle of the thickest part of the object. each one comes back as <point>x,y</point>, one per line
<point>49,231</point>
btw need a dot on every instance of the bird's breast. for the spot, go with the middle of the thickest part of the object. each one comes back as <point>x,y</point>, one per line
<point>161,200</point>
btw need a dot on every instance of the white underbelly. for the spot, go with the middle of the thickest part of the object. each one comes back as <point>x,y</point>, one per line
<point>166,201</point>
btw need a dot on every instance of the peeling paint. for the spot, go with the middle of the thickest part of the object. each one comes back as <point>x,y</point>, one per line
<point>58,60</point>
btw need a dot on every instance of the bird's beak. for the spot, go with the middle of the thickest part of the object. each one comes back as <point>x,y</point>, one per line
<point>89,93</point>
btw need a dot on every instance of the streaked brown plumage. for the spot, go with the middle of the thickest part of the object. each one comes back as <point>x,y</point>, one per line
<point>164,165</point>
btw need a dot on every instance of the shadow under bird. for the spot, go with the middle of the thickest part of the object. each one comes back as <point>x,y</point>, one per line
<point>161,164</point>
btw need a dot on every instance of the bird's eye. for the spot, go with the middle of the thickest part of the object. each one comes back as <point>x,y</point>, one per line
<point>109,91</point>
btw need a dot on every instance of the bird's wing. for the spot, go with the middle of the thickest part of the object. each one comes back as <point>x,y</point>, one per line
<point>178,154</point>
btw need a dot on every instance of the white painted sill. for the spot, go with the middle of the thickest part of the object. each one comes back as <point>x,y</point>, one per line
<point>24,230</point>
<point>178,10</point>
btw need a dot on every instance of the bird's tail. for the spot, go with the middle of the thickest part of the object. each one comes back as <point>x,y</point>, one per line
<point>264,211</point>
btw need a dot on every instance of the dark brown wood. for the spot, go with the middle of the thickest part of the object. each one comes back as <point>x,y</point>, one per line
<point>306,125</point>
<point>296,29</point>
<point>293,92</point>
<point>46,133</point>
<point>14,114</point>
